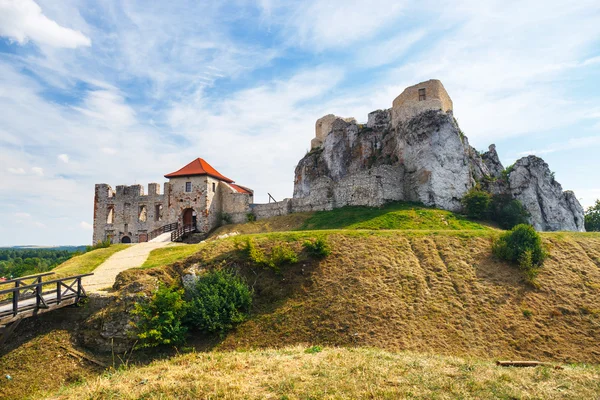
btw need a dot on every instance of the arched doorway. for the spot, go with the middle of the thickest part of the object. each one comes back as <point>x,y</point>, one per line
<point>125,239</point>
<point>189,217</point>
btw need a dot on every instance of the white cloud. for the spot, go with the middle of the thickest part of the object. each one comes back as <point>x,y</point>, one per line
<point>336,23</point>
<point>108,108</point>
<point>387,51</point>
<point>23,20</point>
<point>109,150</point>
<point>22,215</point>
<point>64,158</point>
<point>37,171</point>
<point>571,144</point>
<point>86,226</point>
<point>16,171</point>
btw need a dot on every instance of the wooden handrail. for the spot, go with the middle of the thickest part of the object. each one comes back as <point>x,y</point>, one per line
<point>182,230</point>
<point>34,285</point>
<point>67,291</point>
<point>21,278</point>
<point>163,229</point>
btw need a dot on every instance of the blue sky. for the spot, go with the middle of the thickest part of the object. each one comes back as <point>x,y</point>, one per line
<point>122,92</point>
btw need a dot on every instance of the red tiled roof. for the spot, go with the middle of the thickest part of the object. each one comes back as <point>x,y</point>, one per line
<point>241,189</point>
<point>198,167</point>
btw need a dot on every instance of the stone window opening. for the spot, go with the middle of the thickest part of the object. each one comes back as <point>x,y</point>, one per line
<point>158,212</point>
<point>214,187</point>
<point>188,187</point>
<point>110,218</point>
<point>422,95</point>
<point>143,214</point>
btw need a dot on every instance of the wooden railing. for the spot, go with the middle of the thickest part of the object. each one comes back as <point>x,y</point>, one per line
<point>39,296</point>
<point>182,230</point>
<point>163,229</point>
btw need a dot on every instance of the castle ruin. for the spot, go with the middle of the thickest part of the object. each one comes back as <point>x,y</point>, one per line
<point>413,151</point>
<point>195,195</point>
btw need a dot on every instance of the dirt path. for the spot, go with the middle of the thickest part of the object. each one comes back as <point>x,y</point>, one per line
<point>104,276</point>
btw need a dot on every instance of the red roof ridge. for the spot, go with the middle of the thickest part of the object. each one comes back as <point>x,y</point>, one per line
<point>241,189</point>
<point>199,167</point>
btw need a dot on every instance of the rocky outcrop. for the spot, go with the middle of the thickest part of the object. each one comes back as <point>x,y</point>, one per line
<point>425,158</point>
<point>492,162</point>
<point>532,183</point>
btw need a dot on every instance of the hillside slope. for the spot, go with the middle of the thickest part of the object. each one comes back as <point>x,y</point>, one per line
<point>312,373</point>
<point>427,291</point>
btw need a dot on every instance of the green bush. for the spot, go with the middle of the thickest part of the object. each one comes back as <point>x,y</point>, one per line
<point>508,212</point>
<point>100,245</point>
<point>160,319</point>
<point>476,203</point>
<point>318,248</point>
<point>219,301</point>
<point>225,218</point>
<point>280,255</point>
<point>522,246</point>
<point>592,218</point>
<point>250,217</point>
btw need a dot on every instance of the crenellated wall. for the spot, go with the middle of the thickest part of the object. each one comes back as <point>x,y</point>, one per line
<point>127,211</point>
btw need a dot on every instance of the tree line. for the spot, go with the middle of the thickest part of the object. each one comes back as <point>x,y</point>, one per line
<point>16,262</point>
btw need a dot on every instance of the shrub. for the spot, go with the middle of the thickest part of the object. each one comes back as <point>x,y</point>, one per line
<point>160,318</point>
<point>507,171</point>
<point>219,301</point>
<point>592,217</point>
<point>521,246</point>
<point>318,248</point>
<point>508,212</point>
<point>476,203</point>
<point>250,217</point>
<point>100,245</point>
<point>225,218</point>
<point>280,255</point>
<point>313,350</point>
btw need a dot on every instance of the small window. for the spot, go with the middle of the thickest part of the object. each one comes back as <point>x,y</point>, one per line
<point>158,212</point>
<point>110,218</point>
<point>188,187</point>
<point>214,187</point>
<point>422,95</point>
<point>143,214</point>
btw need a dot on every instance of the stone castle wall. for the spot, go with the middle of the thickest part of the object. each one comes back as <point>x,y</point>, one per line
<point>135,214</point>
<point>125,204</point>
<point>407,104</point>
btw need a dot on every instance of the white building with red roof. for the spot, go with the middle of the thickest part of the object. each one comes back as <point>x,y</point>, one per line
<point>197,197</point>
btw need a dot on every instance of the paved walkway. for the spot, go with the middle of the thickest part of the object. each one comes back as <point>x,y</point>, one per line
<point>134,256</point>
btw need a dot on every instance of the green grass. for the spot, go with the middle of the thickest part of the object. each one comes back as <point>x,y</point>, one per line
<point>87,262</point>
<point>398,215</point>
<point>169,255</point>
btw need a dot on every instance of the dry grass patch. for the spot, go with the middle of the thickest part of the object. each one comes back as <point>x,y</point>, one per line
<point>42,363</point>
<point>293,373</point>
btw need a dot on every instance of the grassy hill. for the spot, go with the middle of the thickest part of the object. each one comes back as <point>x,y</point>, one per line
<point>397,215</point>
<point>335,373</point>
<point>402,283</point>
<point>430,291</point>
<point>87,262</point>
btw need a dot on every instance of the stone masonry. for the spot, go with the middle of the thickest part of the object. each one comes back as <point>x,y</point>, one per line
<point>197,192</point>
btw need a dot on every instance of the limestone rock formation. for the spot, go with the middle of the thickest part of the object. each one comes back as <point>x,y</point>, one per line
<point>418,153</point>
<point>551,209</point>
